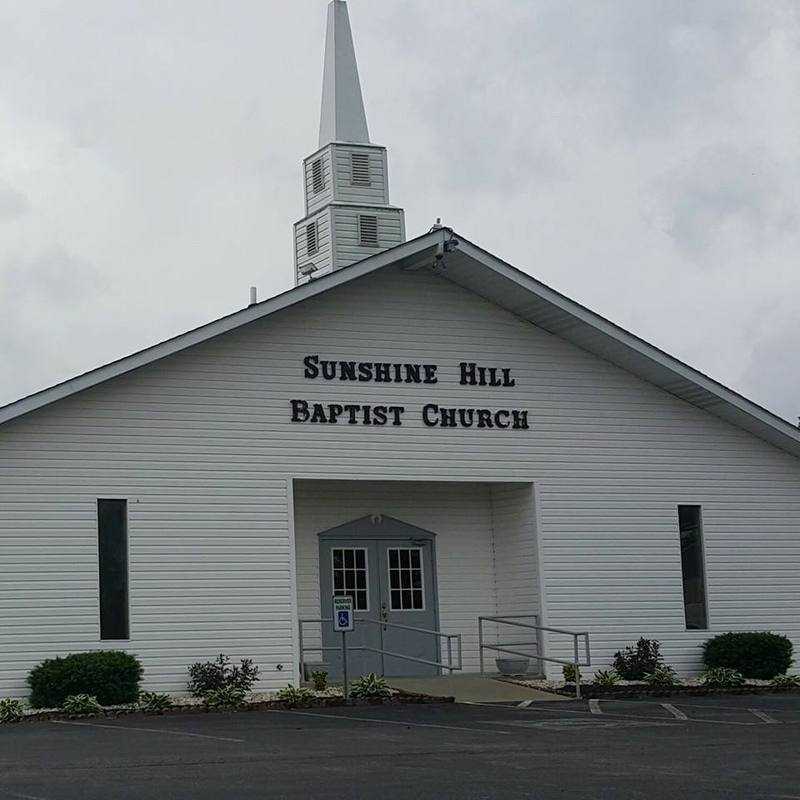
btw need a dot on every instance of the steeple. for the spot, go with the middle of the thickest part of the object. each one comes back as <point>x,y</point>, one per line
<point>343,118</point>
<point>346,181</point>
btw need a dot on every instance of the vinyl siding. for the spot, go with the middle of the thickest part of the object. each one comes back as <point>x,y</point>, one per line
<point>375,194</point>
<point>391,232</point>
<point>315,201</point>
<point>201,445</point>
<point>323,258</point>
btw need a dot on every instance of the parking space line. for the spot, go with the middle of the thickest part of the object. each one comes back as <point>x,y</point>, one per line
<point>676,712</point>
<point>145,730</point>
<point>763,716</point>
<point>18,796</point>
<point>377,721</point>
<point>594,706</point>
<point>524,704</point>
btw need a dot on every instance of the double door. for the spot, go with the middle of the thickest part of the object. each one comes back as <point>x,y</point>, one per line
<point>390,578</point>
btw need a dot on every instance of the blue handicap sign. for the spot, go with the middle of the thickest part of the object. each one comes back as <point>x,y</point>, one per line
<point>344,619</point>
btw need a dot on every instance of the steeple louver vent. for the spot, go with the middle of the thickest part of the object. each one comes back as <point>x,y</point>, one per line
<point>360,169</point>
<point>368,230</point>
<point>317,176</point>
<point>312,244</point>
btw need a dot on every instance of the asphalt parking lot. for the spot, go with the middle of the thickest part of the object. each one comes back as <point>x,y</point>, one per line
<point>720,747</point>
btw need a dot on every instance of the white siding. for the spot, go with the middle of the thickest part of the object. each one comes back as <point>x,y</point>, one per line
<point>391,232</point>
<point>375,194</point>
<point>323,258</point>
<point>315,201</point>
<point>201,445</point>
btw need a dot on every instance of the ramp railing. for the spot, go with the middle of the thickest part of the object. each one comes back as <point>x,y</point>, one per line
<point>512,620</point>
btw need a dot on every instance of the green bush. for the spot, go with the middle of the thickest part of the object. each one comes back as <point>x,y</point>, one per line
<point>209,676</point>
<point>154,702</point>
<point>370,687</point>
<point>81,704</point>
<point>606,677</point>
<point>662,676</point>
<point>633,663</point>
<point>568,671</point>
<point>785,682</point>
<point>295,697</point>
<point>320,679</point>
<point>109,675</point>
<point>227,698</point>
<point>10,710</point>
<point>722,678</point>
<point>756,654</point>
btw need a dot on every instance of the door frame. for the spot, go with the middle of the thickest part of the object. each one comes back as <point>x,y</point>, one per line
<point>397,529</point>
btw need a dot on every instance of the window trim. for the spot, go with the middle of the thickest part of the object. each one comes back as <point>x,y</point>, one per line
<point>703,564</point>
<point>127,578</point>
<point>366,577</point>
<point>419,549</point>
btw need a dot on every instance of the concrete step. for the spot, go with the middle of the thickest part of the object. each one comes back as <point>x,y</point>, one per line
<point>472,689</point>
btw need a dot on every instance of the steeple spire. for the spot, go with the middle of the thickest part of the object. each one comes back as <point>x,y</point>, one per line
<point>342,118</point>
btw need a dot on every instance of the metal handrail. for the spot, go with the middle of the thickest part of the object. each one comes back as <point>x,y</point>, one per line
<point>501,647</point>
<point>449,637</point>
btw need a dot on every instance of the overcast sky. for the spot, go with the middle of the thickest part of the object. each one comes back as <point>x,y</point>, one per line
<point>642,157</point>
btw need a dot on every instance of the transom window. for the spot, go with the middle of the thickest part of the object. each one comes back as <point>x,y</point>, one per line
<point>350,578</point>
<point>405,579</point>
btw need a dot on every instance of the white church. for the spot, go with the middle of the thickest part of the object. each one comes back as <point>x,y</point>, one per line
<point>416,425</point>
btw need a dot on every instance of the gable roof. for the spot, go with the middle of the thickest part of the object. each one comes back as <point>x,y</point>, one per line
<point>486,275</point>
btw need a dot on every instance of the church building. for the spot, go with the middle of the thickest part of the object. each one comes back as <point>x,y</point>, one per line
<point>416,425</point>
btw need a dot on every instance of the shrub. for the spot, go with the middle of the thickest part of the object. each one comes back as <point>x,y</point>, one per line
<point>10,710</point>
<point>154,703</point>
<point>210,676</point>
<point>80,704</point>
<point>662,675</point>
<point>320,679</point>
<point>757,654</point>
<point>722,678</point>
<point>295,697</point>
<point>633,663</point>
<point>785,682</point>
<point>370,687</point>
<point>225,698</point>
<point>606,677</point>
<point>568,671</point>
<point>109,675</point>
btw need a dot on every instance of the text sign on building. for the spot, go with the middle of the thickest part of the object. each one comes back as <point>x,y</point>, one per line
<point>343,613</point>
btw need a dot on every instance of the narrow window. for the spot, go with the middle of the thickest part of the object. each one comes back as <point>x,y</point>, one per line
<point>350,575</point>
<point>694,581</point>
<point>317,176</point>
<point>368,231</point>
<point>311,238</point>
<point>405,579</point>
<point>359,163</point>
<point>112,541</point>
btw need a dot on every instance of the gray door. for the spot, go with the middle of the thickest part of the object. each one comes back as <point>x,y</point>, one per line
<point>387,567</point>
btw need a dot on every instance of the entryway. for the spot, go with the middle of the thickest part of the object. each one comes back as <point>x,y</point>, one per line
<point>388,568</point>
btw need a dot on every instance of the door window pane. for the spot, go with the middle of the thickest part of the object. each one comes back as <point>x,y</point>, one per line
<point>405,572</point>
<point>350,577</point>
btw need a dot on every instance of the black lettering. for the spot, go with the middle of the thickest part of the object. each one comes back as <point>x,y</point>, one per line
<point>412,373</point>
<point>507,379</point>
<point>312,370</point>
<point>379,415</point>
<point>484,418</point>
<point>367,417</point>
<point>396,411</point>
<point>497,418</point>
<point>429,408</point>
<point>347,370</point>
<point>382,372</point>
<point>398,378</point>
<point>481,376</point>
<point>318,414</point>
<point>448,417</point>
<point>352,410</point>
<point>334,412</point>
<point>364,372</point>
<point>462,417</point>
<point>493,379</point>
<point>519,420</point>
<point>299,410</point>
<point>430,373</point>
<point>467,373</point>
<point>328,370</point>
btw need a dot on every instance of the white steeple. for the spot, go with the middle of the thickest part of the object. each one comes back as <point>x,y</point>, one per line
<point>346,181</point>
<point>343,118</point>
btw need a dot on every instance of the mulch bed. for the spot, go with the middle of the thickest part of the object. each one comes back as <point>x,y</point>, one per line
<point>590,691</point>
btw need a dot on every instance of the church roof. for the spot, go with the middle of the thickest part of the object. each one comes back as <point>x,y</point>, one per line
<point>475,269</point>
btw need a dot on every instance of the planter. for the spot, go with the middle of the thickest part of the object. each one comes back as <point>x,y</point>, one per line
<point>512,666</point>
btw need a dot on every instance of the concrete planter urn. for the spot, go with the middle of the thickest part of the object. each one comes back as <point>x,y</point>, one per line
<point>512,666</point>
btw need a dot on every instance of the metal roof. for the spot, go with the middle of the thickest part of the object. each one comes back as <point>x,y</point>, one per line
<point>480,272</point>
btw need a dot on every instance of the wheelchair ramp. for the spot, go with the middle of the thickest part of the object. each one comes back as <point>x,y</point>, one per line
<point>472,689</point>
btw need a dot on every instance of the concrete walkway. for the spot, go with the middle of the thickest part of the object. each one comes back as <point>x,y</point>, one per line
<point>472,689</point>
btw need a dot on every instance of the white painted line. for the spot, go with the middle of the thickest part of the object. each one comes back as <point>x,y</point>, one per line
<point>19,796</point>
<point>594,707</point>
<point>376,721</point>
<point>145,730</point>
<point>676,712</point>
<point>764,716</point>
<point>524,704</point>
